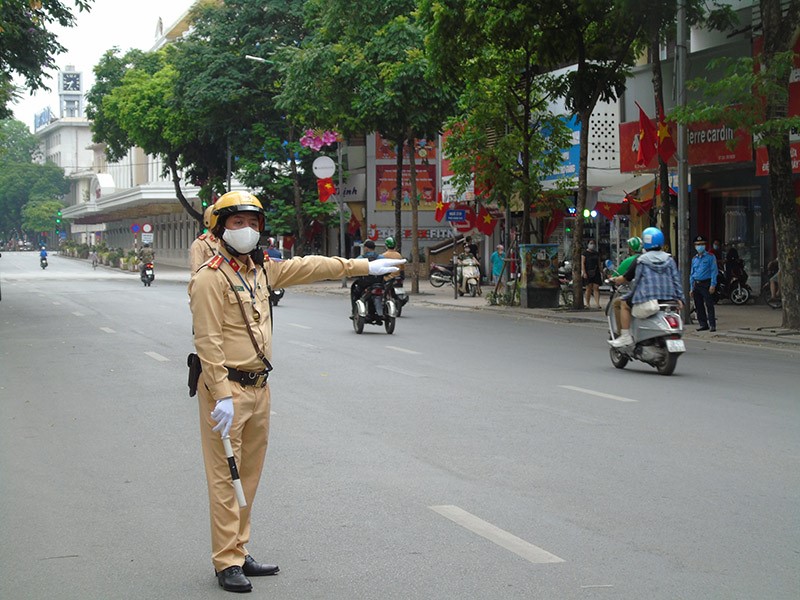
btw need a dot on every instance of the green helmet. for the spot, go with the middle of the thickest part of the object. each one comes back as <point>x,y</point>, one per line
<point>390,243</point>
<point>635,244</point>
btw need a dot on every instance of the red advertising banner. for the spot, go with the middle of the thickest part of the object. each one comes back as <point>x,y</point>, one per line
<point>386,187</point>
<point>708,145</point>
<point>387,149</point>
<point>762,159</point>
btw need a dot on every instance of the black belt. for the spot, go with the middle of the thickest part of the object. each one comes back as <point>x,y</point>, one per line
<point>247,378</point>
<point>703,281</point>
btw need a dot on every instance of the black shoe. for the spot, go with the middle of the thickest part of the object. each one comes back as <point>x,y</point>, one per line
<point>703,328</point>
<point>252,568</point>
<point>232,579</point>
<point>713,328</point>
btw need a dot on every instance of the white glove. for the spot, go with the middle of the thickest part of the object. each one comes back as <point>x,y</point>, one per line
<point>384,266</point>
<point>223,415</point>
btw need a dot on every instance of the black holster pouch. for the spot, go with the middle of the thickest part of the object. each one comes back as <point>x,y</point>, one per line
<point>195,368</point>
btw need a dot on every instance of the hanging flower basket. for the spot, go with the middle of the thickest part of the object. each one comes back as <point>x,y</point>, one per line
<point>316,139</point>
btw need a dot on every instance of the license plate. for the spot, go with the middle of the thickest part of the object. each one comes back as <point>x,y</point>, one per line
<point>676,346</point>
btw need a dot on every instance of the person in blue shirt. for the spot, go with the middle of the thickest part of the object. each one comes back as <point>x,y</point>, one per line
<point>43,253</point>
<point>703,283</point>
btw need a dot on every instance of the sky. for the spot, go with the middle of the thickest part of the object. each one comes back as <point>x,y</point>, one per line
<point>123,23</point>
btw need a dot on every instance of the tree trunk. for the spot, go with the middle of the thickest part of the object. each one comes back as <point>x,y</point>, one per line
<point>398,199</point>
<point>778,37</point>
<point>176,182</point>
<point>663,172</point>
<point>414,218</point>
<point>580,205</point>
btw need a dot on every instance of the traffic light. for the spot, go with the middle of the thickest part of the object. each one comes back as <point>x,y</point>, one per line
<point>58,217</point>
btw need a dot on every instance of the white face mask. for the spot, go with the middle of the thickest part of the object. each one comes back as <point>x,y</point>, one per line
<point>242,240</point>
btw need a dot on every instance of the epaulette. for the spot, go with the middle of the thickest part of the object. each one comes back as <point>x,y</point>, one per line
<point>215,262</point>
<point>202,236</point>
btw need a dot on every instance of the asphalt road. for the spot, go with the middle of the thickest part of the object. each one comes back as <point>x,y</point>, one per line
<point>469,455</point>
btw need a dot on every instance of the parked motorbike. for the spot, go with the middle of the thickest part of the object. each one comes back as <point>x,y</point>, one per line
<point>400,292</point>
<point>440,274</point>
<point>43,262</point>
<point>375,303</point>
<point>469,275</point>
<point>565,283</point>
<point>736,290</point>
<point>147,274</point>
<point>276,296</point>
<point>657,338</point>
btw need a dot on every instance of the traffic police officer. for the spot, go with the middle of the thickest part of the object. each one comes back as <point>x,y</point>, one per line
<point>205,246</point>
<point>234,351</point>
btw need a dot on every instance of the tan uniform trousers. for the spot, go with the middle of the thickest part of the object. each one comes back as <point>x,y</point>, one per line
<point>230,525</point>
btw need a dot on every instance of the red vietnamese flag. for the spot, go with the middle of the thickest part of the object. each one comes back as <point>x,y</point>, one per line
<point>608,209</point>
<point>353,225</point>
<point>325,188</point>
<point>666,144</point>
<point>485,222</point>
<point>648,139</point>
<point>441,208</point>
<point>642,206</point>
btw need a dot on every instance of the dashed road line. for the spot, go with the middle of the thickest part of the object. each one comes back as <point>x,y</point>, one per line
<point>400,371</point>
<point>399,349</point>
<point>107,330</point>
<point>77,314</point>
<point>157,356</point>
<point>304,345</point>
<point>299,326</point>
<point>598,394</point>
<point>496,535</point>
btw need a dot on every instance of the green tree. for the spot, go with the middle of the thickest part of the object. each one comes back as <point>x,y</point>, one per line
<point>41,214</point>
<point>17,143</point>
<point>28,44</point>
<point>756,99</point>
<point>21,183</point>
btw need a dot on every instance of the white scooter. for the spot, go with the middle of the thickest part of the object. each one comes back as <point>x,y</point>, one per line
<point>657,338</point>
<point>469,275</point>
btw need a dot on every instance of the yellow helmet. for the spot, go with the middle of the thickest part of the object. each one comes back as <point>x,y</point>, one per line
<point>207,216</point>
<point>232,203</point>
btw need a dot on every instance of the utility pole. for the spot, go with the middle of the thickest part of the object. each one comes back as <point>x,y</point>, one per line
<point>682,51</point>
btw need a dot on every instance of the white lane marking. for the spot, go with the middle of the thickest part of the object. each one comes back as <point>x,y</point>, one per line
<point>298,325</point>
<point>157,356</point>
<point>403,350</point>
<point>599,585</point>
<point>568,414</point>
<point>400,371</point>
<point>496,535</point>
<point>599,394</point>
<point>304,344</point>
<point>77,314</point>
<point>56,303</point>
<point>107,330</point>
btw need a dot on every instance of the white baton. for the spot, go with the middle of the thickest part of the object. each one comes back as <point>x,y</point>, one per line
<point>237,485</point>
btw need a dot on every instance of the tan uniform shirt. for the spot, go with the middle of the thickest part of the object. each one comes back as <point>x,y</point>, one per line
<point>393,254</point>
<point>220,335</point>
<point>203,248</point>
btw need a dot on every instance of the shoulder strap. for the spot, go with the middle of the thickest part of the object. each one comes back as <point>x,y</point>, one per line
<point>259,353</point>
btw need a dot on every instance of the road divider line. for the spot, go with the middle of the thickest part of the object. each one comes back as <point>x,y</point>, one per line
<point>400,371</point>
<point>494,534</point>
<point>157,356</point>
<point>107,330</point>
<point>403,350</point>
<point>598,394</point>
<point>78,314</point>
<point>304,345</point>
<point>299,326</point>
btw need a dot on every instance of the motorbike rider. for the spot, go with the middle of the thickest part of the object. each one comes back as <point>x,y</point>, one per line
<point>635,247</point>
<point>655,276</point>
<point>146,255</point>
<point>391,252</point>
<point>703,283</point>
<point>42,253</point>
<point>272,250</point>
<point>362,283</point>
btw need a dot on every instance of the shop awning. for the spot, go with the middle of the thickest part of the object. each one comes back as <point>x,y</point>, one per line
<point>616,193</point>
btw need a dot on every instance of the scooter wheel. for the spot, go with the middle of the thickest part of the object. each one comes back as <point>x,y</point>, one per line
<point>473,289</point>
<point>740,295</point>
<point>668,366</point>
<point>388,324</point>
<point>358,323</point>
<point>437,280</point>
<point>618,359</point>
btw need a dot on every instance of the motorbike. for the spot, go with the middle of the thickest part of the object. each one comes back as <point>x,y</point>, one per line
<point>43,262</point>
<point>737,289</point>
<point>147,275</point>
<point>440,274</point>
<point>658,339</point>
<point>275,296</point>
<point>565,283</point>
<point>400,292</point>
<point>374,303</point>
<point>469,275</point>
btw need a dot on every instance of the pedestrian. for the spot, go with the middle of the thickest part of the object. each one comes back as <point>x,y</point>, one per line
<point>590,271</point>
<point>703,283</point>
<point>205,246</point>
<point>229,298</point>
<point>498,261</point>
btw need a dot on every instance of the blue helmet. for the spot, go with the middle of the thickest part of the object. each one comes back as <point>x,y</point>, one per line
<point>652,237</point>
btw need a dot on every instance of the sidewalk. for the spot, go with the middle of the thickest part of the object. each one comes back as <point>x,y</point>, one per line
<point>752,323</point>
